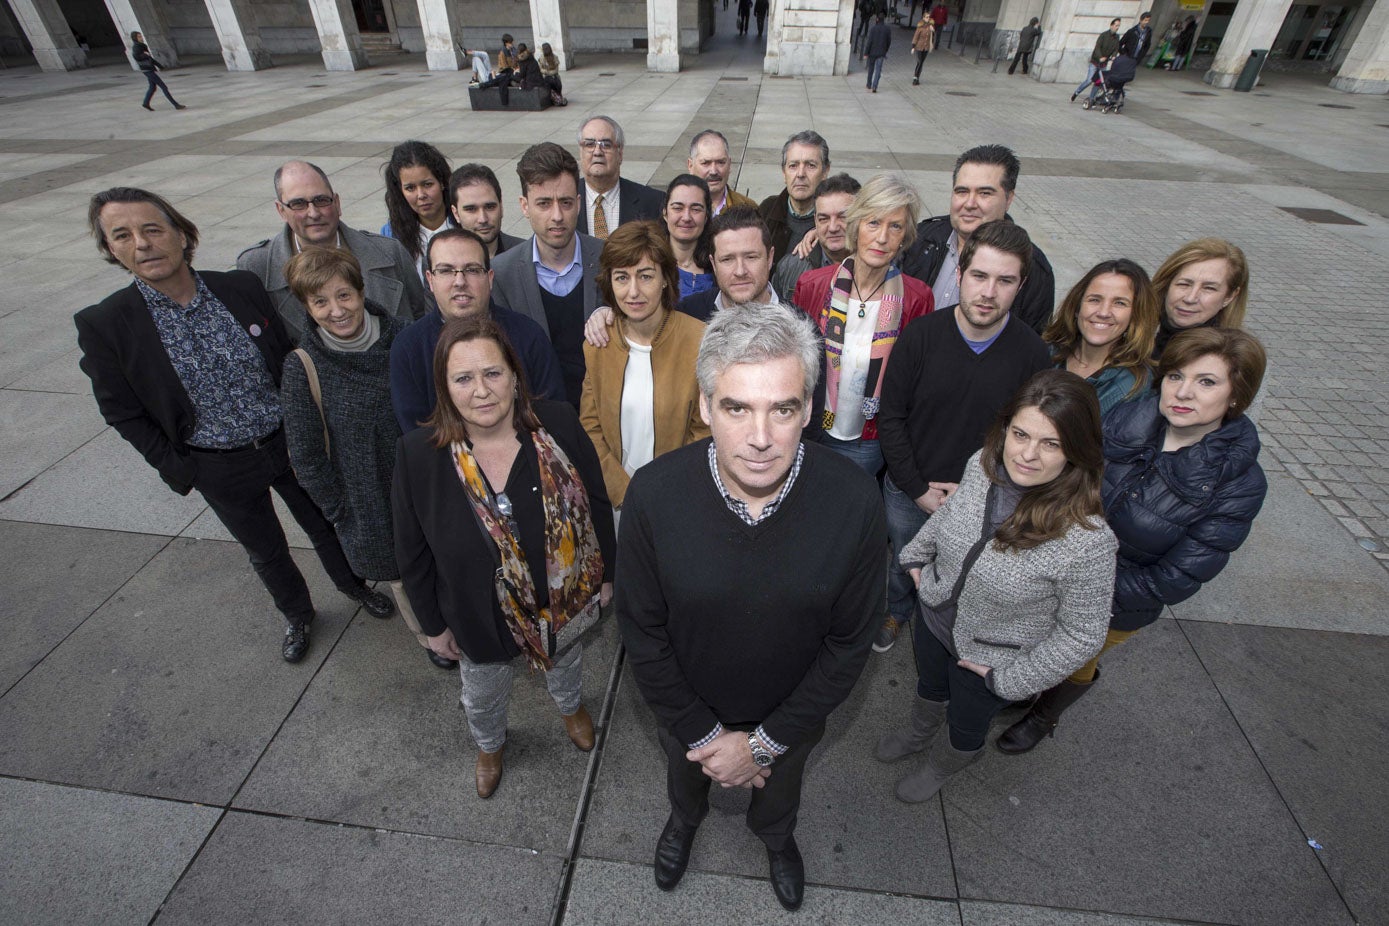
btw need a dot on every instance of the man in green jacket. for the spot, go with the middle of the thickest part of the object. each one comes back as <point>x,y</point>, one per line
<point>1105,47</point>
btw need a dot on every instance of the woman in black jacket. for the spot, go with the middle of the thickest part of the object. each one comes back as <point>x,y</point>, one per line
<point>1182,485</point>
<point>150,68</point>
<point>503,533</point>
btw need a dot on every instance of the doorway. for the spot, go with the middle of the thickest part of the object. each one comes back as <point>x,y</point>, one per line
<point>372,16</point>
<point>1312,32</point>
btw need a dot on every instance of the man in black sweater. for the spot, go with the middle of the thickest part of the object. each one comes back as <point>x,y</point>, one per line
<point>951,372</point>
<point>750,575</point>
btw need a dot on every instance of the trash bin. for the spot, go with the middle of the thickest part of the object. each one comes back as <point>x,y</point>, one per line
<point>1250,75</point>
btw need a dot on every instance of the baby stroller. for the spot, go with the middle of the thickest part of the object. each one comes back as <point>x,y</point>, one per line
<point>1108,94</point>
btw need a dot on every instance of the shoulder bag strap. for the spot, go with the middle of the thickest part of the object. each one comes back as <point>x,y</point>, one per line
<point>311,372</point>
<point>986,533</point>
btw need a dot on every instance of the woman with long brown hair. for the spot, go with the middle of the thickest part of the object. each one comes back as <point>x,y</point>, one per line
<point>503,534</point>
<point>1014,573</point>
<point>1104,329</point>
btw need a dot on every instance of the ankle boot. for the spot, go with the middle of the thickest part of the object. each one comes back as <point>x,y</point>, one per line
<point>1041,721</point>
<point>926,719</point>
<point>942,761</point>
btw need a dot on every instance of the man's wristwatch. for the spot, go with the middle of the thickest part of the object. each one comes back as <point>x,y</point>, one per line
<point>760,754</point>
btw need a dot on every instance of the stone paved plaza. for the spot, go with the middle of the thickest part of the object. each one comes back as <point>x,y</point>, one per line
<point>160,763</point>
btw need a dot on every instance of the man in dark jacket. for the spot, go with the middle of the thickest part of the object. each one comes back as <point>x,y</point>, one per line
<point>981,191</point>
<point>1139,39</point>
<point>875,50</point>
<point>1106,47</point>
<point>205,418</point>
<point>805,161</point>
<point>1027,43</point>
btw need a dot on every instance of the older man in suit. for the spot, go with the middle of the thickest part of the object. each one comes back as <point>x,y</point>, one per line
<point>312,214</point>
<point>206,419</point>
<point>609,200</point>
<point>553,280</point>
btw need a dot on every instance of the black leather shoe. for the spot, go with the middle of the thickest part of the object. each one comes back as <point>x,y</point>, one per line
<point>442,662</point>
<point>296,642</point>
<point>673,854</point>
<point>375,603</point>
<point>787,872</point>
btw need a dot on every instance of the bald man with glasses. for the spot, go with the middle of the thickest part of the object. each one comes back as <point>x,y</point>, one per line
<point>312,213</point>
<point>609,200</point>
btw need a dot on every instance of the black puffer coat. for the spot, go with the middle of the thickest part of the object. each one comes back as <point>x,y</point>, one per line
<point>1178,516</point>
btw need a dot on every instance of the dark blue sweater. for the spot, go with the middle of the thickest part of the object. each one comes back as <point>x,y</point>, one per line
<point>412,363</point>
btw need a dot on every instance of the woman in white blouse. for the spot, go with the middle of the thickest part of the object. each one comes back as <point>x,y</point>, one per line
<point>640,398</point>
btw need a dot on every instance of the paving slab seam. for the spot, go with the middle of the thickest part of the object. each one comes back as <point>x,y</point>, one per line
<point>1267,774</point>
<point>1081,911</point>
<point>595,764</point>
<point>38,662</point>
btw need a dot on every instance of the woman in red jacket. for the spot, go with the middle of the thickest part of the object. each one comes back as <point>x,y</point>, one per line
<point>861,305</point>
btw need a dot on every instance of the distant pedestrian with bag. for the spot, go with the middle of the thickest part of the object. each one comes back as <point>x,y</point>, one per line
<point>923,43</point>
<point>150,67</point>
<point>1027,44</point>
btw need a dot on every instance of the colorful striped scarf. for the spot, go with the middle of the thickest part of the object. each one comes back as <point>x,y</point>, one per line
<point>834,322</point>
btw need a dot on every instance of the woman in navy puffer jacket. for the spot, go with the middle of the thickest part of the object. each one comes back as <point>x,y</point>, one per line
<point>1182,485</point>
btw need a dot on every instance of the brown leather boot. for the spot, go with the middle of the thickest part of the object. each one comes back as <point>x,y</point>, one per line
<point>579,726</point>
<point>489,771</point>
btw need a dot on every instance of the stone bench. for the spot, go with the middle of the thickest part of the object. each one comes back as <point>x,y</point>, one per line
<point>490,100</point>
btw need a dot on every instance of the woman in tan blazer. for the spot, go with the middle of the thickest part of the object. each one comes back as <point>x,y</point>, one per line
<point>640,398</point>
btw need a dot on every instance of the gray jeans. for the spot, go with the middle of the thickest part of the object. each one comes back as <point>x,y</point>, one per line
<point>487,691</point>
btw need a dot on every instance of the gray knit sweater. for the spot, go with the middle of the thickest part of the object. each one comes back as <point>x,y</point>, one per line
<point>1034,616</point>
<point>352,486</point>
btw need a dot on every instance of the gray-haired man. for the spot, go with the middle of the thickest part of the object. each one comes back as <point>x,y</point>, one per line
<point>805,161</point>
<point>740,658</point>
<point>609,199</point>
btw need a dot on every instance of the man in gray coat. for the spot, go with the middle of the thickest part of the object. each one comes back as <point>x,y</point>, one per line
<point>553,277</point>
<point>312,214</point>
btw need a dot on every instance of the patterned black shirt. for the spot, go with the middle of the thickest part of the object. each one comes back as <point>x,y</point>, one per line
<point>234,399</point>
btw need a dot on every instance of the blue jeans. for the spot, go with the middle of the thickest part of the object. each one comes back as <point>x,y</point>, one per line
<point>904,521</point>
<point>875,71</point>
<point>864,453</point>
<point>1089,80</point>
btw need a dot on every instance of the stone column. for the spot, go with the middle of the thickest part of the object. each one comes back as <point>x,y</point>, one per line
<point>49,35</point>
<point>235,22</point>
<point>808,38</point>
<point>1069,30</point>
<point>1254,25</point>
<point>145,17</point>
<point>337,33</point>
<point>549,23</point>
<point>439,20</point>
<point>1366,68</point>
<point>663,35</point>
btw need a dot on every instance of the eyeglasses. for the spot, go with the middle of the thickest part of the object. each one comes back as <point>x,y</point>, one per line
<point>302,205</point>
<point>475,271</point>
<point>603,144</point>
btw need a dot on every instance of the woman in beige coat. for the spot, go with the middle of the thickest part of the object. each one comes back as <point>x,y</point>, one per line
<point>640,397</point>
<point>923,41</point>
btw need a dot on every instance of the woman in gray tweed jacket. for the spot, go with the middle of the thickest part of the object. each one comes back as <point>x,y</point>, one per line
<point>342,442</point>
<point>1015,574</point>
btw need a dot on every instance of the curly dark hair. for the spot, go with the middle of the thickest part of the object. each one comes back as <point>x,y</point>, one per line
<point>405,224</point>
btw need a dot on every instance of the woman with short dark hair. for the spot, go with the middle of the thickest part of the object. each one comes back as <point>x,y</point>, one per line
<point>503,534</point>
<point>339,427</point>
<point>1014,574</point>
<point>1182,485</point>
<point>640,396</point>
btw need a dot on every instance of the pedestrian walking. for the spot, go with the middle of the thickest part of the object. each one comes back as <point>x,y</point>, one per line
<point>875,50</point>
<point>150,67</point>
<point>1027,43</point>
<point>923,43</point>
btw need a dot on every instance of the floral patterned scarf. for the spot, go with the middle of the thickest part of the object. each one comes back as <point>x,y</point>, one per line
<point>573,562</point>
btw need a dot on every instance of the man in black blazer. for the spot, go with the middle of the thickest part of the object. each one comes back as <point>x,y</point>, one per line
<point>600,160</point>
<point>185,366</point>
